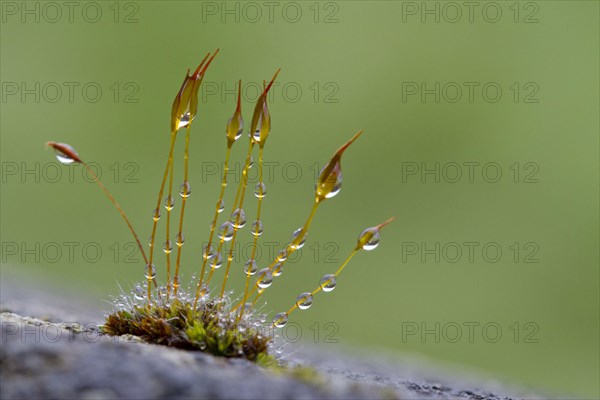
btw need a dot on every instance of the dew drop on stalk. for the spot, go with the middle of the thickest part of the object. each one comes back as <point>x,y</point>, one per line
<point>250,267</point>
<point>150,271</point>
<point>257,228</point>
<point>169,203</point>
<point>226,231</point>
<point>260,190</point>
<point>277,269</point>
<point>185,190</point>
<point>331,185</point>
<point>185,121</point>
<point>280,320</point>
<point>207,252</point>
<point>179,239</point>
<point>328,282</point>
<point>167,247</point>
<point>220,206</point>
<point>62,151</point>
<point>297,241</point>
<point>138,293</point>
<point>369,238</point>
<point>304,300</point>
<point>282,256</point>
<point>216,260</point>
<point>156,214</point>
<point>238,218</point>
<point>264,278</point>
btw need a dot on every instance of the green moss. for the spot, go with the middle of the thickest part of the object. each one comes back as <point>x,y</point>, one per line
<point>177,324</point>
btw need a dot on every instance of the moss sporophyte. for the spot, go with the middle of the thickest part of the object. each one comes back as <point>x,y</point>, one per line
<point>203,315</point>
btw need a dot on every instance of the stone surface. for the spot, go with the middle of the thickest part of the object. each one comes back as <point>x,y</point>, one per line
<point>47,355</point>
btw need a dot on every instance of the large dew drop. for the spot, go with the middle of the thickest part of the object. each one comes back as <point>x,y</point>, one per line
<point>150,271</point>
<point>328,282</point>
<point>185,190</point>
<point>220,206</point>
<point>238,218</point>
<point>277,269</point>
<point>65,154</point>
<point>280,320</point>
<point>167,247</point>
<point>169,203</point>
<point>257,228</point>
<point>369,238</point>
<point>304,300</point>
<point>156,215</point>
<point>250,267</point>
<point>226,231</point>
<point>260,190</point>
<point>216,261</point>
<point>297,241</point>
<point>264,278</point>
<point>179,239</point>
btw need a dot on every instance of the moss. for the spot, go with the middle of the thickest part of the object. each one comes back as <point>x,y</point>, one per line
<point>208,328</point>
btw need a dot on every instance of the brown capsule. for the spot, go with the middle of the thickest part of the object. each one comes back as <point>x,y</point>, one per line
<point>65,153</point>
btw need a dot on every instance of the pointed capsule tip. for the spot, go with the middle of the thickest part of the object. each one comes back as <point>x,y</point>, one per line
<point>348,143</point>
<point>271,82</point>
<point>208,62</point>
<point>197,72</point>
<point>386,222</point>
<point>239,99</point>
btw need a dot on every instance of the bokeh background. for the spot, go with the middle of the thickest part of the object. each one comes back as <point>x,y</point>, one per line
<point>506,88</point>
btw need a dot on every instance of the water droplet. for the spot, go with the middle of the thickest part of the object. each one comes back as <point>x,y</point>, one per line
<point>202,345</point>
<point>238,218</point>
<point>184,121</point>
<point>240,126</point>
<point>282,256</point>
<point>297,241</point>
<point>279,350</point>
<point>179,239</point>
<point>156,214</point>
<point>280,320</point>
<point>250,267</point>
<point>169,203</point>
<point>62,156</point>
<point>150,271</point>
<point>264,278</point>
<point>330,185</point>
<point>216,261</point>
<point>257,228</point>
<point>220,206</point>
<point>226,231</point>
<point>138,293</point>
<point>260,190</point>
<point>277,269</point>
<point>207,252</point>
<point>262,318</point>
<point>150,240</point>
<point>304,300</point>
<point>328,282</point>
<point>167,247</point>
<point>369,238</point>
<point>185,190</point>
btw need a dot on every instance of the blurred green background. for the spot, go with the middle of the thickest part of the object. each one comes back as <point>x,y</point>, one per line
<point>346,66</point>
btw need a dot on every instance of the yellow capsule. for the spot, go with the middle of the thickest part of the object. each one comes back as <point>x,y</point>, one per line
<point>330,178</point>
<point>261,119</point>
<point>235,125</point>
<point>369,238</point>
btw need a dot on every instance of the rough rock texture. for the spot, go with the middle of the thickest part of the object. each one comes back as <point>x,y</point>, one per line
<point>47,357</point>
